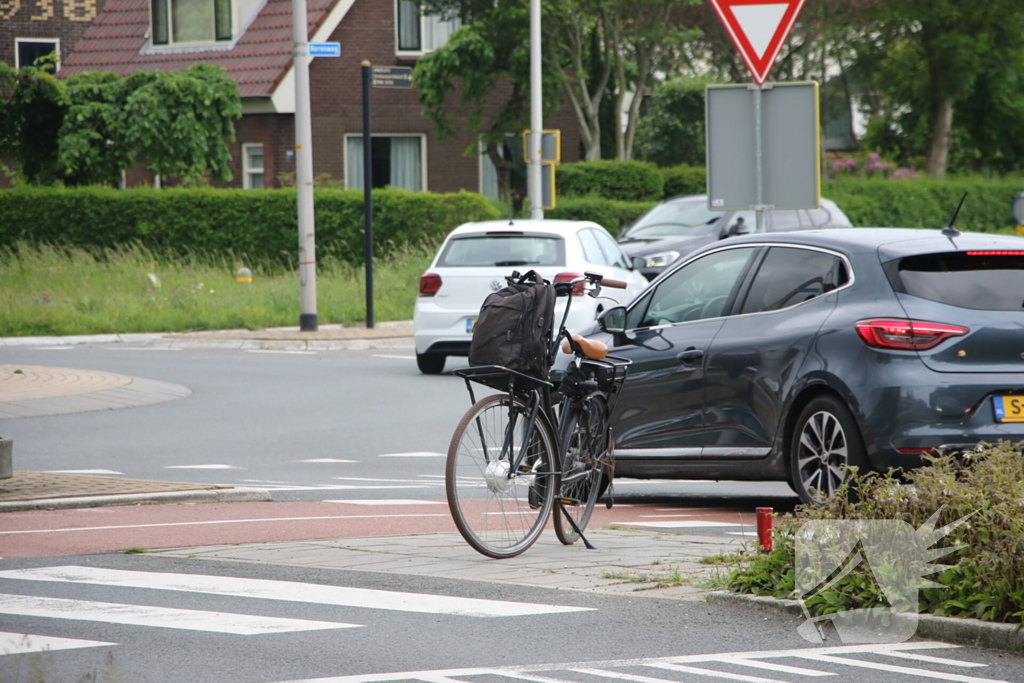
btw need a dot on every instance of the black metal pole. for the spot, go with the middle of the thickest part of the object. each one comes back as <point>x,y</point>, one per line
<point>367,195</point>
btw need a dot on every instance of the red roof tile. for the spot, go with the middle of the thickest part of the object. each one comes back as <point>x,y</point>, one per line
<point>258,61</point>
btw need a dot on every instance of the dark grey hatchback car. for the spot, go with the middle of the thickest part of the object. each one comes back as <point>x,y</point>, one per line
<point>788,356</point>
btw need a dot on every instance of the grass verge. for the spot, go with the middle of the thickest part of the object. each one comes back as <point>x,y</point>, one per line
<point>63,291</point>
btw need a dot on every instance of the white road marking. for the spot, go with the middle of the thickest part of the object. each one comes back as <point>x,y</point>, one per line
<point>912,671</point>
<point>383,355</point>
<point>414,454</point>
<point>326,460</point>
<point>83,472</point>
<point>138,348</point>
<point>292,591</point>
<point>212,521</point>
<point>203,467</point>
<point>387,501</point>
<point>160,617</point>
<point>23,643</point>
<point>681,524</point>
<point>397,481</point>
<point>741,533</point>
<point>50,348</point>
<point>780,668</point>
<point>387,488</point>
<point>533,672</point>
<point>677,668</point>
<point>294,353</point>
<point>932,660</point>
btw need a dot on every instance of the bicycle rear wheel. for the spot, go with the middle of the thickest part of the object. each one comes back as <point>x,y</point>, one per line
<point>587,456</point>
<point>500,516</point>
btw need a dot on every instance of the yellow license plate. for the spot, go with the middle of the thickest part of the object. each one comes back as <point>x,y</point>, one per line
<point>1009,408</point>
<point>470,324</point>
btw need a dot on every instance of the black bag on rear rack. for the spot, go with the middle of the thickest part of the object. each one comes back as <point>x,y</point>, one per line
<point>514,327</point>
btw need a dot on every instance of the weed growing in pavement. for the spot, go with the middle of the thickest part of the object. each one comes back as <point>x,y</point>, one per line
<point>135,551</point>
<point>984,580</point>
<point>667,579</point>
<point>39,667</point>
<point>62,290</point>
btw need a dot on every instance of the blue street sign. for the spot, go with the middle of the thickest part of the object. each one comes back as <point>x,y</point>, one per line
<point>325,49</point>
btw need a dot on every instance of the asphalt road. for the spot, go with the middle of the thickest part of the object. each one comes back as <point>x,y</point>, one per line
<point>349,424</point>
<point>154,620</point>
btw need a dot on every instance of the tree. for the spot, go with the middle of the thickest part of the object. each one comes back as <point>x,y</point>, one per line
<point>953,46</point>
<point>32,106</point>
<point>672,131</point>
<point>92,126</point>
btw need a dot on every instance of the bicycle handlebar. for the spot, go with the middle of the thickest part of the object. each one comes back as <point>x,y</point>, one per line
<point>614,284</point>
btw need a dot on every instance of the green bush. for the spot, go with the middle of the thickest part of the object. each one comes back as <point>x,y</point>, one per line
<point>684,179</point>
<point>609,179</point>
<point>261,224</point>
<point>926,202</point>
<point>611,215</point>
<point>984,579</point>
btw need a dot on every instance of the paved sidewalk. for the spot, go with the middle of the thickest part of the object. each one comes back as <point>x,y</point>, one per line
<point>642,563</point>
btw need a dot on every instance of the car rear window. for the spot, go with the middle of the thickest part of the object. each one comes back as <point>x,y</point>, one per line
<point>982,280</point>
<point>503,250</point>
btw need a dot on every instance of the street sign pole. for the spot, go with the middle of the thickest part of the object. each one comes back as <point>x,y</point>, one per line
<point>759,225</point>
<point>536,184</point>
<point>304,170</point>
<point>367,195</point>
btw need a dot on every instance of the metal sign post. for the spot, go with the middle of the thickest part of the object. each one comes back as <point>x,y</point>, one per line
<point>304,170</point>
<point>367,194</point>
<point>536,184</point>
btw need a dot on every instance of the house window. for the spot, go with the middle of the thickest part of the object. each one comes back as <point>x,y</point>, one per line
<point>397,161</point>
<point>252,166</point>
<point>191,21</point>
<point>418,32</point>
<point>28,50</point>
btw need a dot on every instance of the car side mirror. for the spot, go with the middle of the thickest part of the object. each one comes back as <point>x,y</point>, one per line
<point>613,321</point>
<point>738,228</point>
<point>637,262</point>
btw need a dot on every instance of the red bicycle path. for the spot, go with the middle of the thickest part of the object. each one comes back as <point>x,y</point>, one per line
<point>46,533</point>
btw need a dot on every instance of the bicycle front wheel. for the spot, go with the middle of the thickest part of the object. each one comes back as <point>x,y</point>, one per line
<point>588,453</point>
<point>498,511</point>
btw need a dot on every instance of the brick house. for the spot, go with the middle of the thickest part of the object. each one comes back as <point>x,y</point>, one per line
<point>252,40</point>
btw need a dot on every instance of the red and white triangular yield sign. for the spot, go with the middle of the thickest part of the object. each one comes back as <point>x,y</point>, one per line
<point>758,29</point>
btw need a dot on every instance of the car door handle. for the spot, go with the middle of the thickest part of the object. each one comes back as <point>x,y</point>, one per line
<point>690,355</point>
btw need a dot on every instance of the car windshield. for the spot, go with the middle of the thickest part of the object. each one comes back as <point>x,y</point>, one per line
<point>674,218</point>
<point>503,250</point>
<point>982,280</point>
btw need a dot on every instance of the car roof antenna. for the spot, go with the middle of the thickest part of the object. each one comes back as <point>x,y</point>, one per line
<point>950,230</point>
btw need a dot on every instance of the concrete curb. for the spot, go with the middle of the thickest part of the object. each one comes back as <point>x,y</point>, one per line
<point>79,339</point>
<point>403,343</point>
<point>231,495</point>
<point>973,632</point>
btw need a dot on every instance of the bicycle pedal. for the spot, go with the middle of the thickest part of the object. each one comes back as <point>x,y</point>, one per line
<point>609,503</point>
<point>568,501</point>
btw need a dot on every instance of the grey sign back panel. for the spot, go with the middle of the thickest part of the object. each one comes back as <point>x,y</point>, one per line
<point>790,153</point>
<point>730,147</point>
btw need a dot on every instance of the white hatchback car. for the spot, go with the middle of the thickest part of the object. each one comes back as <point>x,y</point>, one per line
<point>476,257</point>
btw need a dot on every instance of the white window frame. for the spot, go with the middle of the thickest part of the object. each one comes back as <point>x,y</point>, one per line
<point>423,153</point>
<point>18,41</point>
<point>172,45</point>
<point>423,32</point>
<point>247,171</point>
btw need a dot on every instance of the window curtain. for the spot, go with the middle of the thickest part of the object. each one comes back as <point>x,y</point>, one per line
<point>354,165</point>
<point>488,175</point>
<point>409,25</point>
<point>436,31</point>
<point>405,163</point>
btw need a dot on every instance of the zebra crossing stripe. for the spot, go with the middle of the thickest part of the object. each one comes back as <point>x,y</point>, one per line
<point>292,591</point>
<point>24,643</point>
<point>161,617</point>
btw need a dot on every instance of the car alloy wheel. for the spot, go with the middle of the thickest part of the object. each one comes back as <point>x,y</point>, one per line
<point>825,442</point>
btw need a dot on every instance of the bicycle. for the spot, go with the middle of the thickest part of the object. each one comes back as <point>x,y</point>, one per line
<point>513,451</point>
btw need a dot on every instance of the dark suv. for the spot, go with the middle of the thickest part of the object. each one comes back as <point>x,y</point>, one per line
<point>680,225</point>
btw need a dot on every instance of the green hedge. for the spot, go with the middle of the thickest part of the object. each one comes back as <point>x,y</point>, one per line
<point>926,202</point>
<point>612,215</point>
<point>629,181</point>
<point>684,179</point>
<point>261,224</point>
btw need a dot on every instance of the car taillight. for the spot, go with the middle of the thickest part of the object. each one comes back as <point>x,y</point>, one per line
<point>907,335</point>
<point>579,289</point>
<point>429,284</point>
<point>996,252</point>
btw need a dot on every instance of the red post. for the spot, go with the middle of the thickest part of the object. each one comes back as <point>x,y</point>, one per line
<point>764,528</point>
